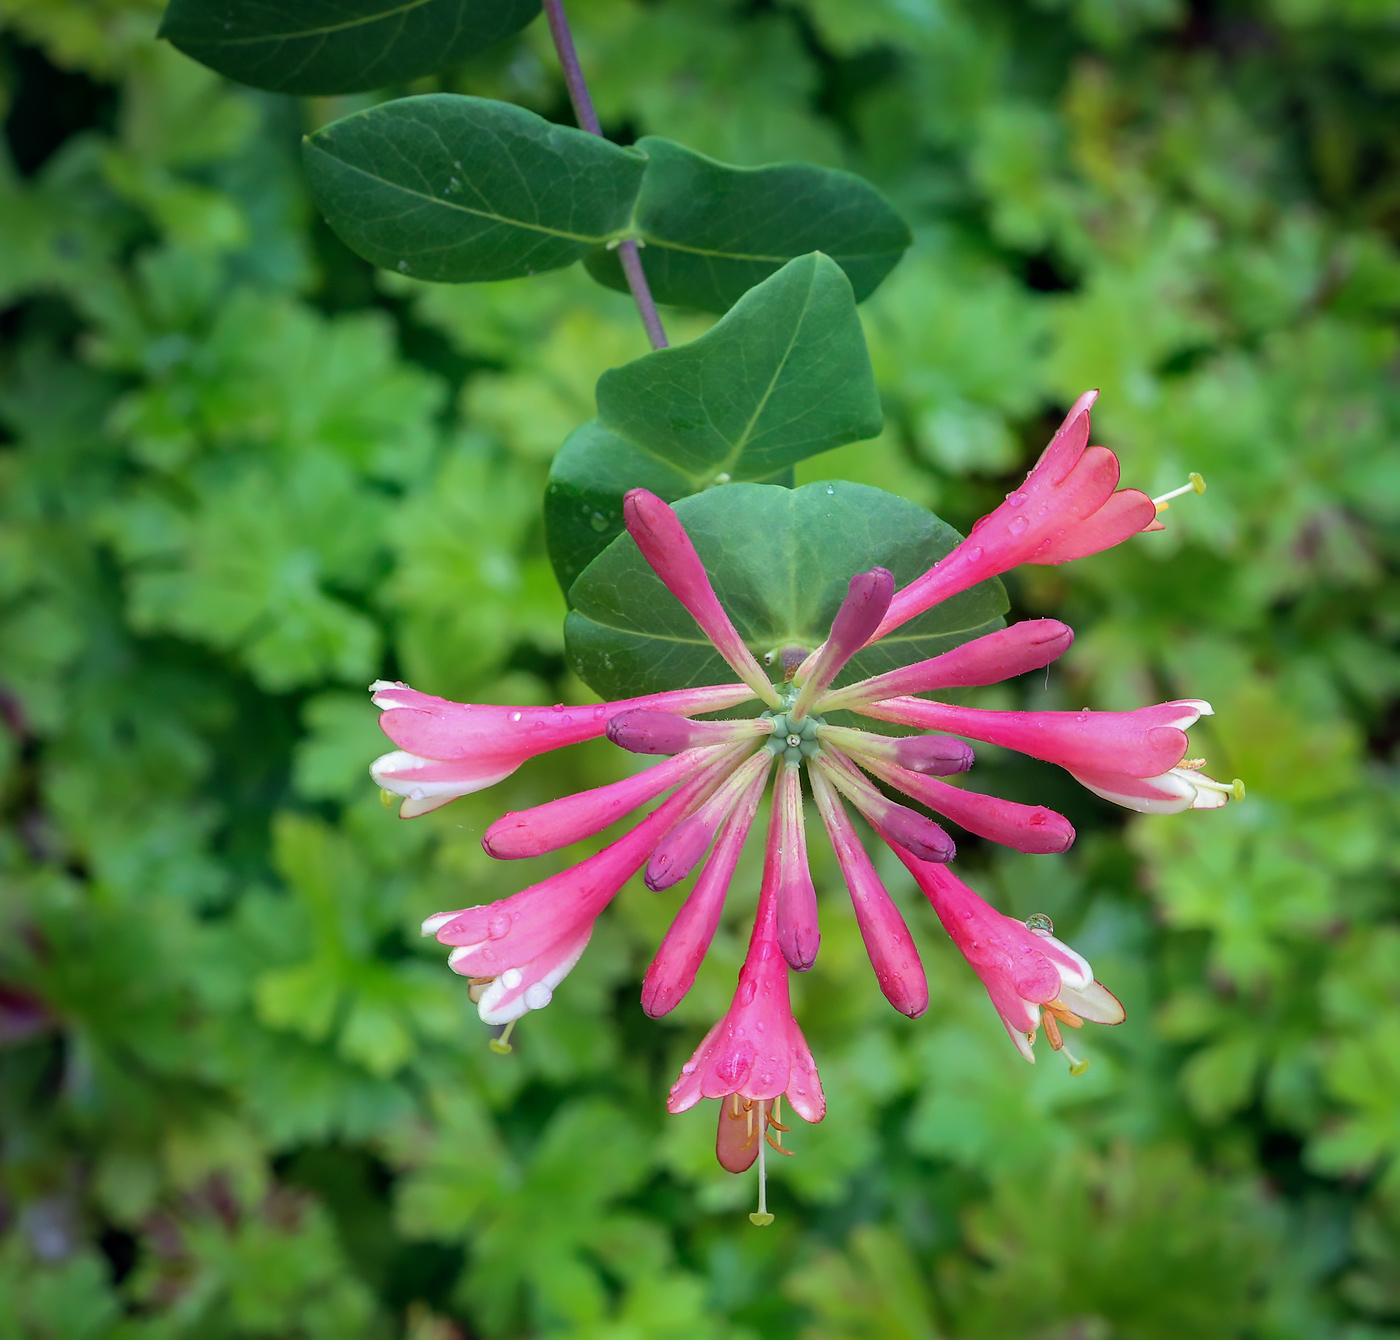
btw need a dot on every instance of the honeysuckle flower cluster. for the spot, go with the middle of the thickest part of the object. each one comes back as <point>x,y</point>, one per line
<point>515,951</point>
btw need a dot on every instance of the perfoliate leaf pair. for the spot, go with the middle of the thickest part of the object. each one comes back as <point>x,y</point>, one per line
<point>455,189</point>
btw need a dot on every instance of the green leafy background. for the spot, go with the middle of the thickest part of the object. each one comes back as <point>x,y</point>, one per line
<point>242,474</point>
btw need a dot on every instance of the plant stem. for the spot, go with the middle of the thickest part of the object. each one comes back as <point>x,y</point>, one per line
<point>627,251</point>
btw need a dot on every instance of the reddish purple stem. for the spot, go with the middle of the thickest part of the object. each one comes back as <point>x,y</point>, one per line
<point>627,252</point>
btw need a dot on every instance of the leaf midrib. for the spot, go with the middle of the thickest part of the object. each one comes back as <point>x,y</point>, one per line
<point>464,209</point>
<point>324,30</point>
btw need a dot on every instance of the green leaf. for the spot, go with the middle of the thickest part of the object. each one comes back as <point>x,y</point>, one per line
<point>712,231</point>
<point>780,560</point>
<point>457,189</point>
<point>783,376</point>
<point>338,46</point>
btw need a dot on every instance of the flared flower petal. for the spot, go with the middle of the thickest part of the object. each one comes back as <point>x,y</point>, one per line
<point>536,930</point>
<point>485,743</point>
<point>427,784</point>
<point>1174,791</point>
<point>531,986</point>
<point>1027,973</point>
<point>1065,509</point>
<point>756,1051</point>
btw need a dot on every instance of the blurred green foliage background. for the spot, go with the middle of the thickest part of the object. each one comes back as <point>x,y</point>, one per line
<point>241,475</point>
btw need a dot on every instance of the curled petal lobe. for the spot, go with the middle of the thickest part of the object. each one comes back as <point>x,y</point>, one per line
<point>1052,517</point>
<point>531,986</point>
<point>426,784</point>
<point>1027,972</point>
<point>1174,791</point>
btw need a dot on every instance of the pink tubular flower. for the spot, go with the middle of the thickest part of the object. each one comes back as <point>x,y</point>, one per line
<point>1031,977</point>
<point>1067,508</point>
<point>448,749</point>
<point>756,1055</point>
<point>518,949</point>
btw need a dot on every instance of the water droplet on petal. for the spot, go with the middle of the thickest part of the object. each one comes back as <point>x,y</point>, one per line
<point>515,716</point>
<point>688,1068</point>
<point>498,926</point>
<point>1040,924</point>
<point>1019,525</point>
<point>1016,499</point>
<point>746,994</point>
<point>973,555</point>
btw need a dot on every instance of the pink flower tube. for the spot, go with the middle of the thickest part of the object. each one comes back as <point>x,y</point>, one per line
<point>1030,976</point>
<point>448,749</point>
<point>1067,508</point>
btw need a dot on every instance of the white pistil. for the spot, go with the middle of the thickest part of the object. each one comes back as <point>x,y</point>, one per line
<point>501,1045</point>
<point>1197,485</point>
<point>762,1217</point>
<point>1234,789</point>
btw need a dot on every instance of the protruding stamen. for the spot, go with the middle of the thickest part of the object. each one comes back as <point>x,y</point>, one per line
<point>501,1045</point>
<point>1196,485</point>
